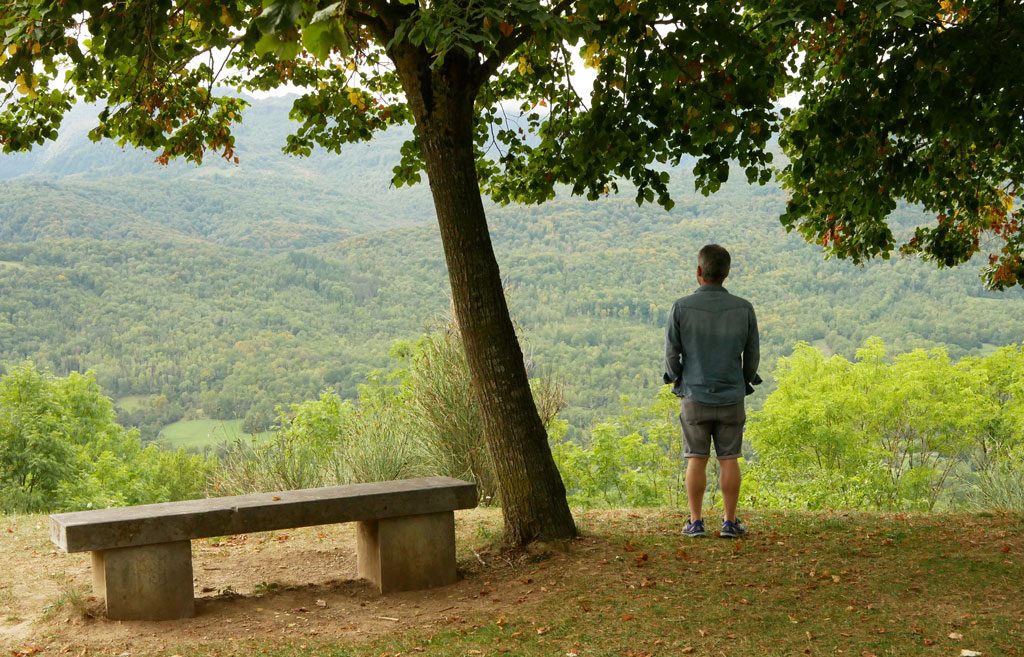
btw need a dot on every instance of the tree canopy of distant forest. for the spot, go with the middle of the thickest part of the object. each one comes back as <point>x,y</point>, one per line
<point>184,326</point>
<point>673,80</point>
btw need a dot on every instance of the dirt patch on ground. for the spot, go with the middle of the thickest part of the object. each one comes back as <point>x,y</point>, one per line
<point>293,585</point>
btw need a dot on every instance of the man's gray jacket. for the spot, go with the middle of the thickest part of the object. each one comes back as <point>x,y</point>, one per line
<point>711,346</point>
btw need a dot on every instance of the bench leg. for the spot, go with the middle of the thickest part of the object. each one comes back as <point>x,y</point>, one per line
<point>149,582</point>
<point>408,553</point>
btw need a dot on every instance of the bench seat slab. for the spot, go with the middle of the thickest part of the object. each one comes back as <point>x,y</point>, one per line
<point>149,582</point>
<point>167,522</point>
<point>407,554</point>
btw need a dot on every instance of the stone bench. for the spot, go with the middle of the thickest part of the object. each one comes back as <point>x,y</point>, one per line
<point>142,555</point>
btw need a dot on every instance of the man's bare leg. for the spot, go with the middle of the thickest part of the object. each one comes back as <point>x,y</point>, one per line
<point>729,481</point>
<point>696,482</point>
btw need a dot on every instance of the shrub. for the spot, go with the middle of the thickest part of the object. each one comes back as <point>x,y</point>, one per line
<point>62,449</point>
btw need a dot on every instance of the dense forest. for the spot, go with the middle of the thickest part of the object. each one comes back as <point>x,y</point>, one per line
<point>225,291</point>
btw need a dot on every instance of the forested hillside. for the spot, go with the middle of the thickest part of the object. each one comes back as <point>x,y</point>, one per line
<point>225,290</point>
<point>269,202</point>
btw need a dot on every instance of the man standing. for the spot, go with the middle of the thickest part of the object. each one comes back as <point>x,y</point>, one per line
<point>711,355</point>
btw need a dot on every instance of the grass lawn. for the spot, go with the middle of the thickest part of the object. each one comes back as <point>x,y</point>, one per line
<point>802,584</point>
<point>132,403</point>
<point>200,434</point>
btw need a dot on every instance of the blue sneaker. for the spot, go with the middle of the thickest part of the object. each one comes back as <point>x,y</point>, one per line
<point>732,529</point>
<point>694,529</point>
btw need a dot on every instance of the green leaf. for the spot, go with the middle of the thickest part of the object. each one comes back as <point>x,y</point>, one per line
<point>327,13</point>
<point>906,17</point>
<point>279,16</point>
<point>323,37</point>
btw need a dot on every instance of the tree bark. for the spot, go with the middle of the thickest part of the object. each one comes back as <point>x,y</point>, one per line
<point>533,496</point>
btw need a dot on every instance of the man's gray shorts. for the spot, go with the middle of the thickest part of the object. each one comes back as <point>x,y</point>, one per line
<point>704,424</point>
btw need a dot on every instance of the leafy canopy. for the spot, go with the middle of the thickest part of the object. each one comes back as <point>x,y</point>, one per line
<point>671,81</point>
<point>912,100</point>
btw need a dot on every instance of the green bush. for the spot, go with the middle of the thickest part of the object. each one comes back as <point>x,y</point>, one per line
<point>61,449</point>
<point>911,432</point>
<point>631,461</point>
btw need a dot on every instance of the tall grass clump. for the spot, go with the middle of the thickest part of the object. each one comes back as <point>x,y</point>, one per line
<point>303,453</point>
<point>420,419</point>
<point>1000,487</point>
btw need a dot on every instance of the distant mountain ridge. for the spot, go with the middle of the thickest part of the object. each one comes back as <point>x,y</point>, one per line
<point>269,202</point>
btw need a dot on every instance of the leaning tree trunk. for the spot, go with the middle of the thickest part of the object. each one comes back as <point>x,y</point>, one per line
<point>532,493</point>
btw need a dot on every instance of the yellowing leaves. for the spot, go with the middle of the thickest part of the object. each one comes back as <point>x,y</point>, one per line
<point>226,19</point>
<point>1006,199</point>
<point>524,67</point>
<point>357,98</point>
<point>25,85</point>
<point>592,55</point>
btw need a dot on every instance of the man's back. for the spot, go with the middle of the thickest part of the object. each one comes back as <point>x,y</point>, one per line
<point>712,347</point>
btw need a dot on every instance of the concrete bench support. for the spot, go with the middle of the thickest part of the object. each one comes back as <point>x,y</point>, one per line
<point>148,582</point>
<point>405,554</point>
<point>142,557</point>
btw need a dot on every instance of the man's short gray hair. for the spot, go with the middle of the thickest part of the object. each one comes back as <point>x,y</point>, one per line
<point>714,262</point>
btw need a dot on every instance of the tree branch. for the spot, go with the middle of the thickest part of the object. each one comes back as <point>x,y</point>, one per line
<point>375,24</point>
<point>506,45</point>
<point>388,15</point>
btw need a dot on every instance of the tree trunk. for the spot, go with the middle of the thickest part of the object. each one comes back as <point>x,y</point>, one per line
<point>532,493</point>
